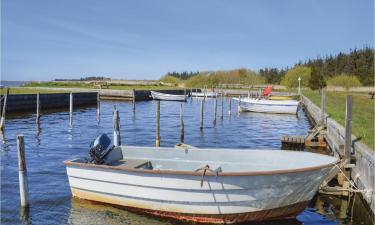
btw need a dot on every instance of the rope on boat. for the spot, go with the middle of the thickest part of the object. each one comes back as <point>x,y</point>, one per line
<point>205,169</point>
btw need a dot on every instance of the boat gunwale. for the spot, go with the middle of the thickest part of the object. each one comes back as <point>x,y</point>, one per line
<point>166,94</point>
<point>208,173</point>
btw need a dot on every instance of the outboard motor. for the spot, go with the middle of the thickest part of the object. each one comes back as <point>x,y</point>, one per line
<point>99,149</point>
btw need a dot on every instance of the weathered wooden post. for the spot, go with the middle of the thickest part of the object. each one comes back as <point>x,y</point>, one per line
<point>157,142</point>
<point>22,172</point>
<point>116,128</point>
<point>37,108</point>
<point>201,116</point>
<point>348,128</point>
<point>230,107</point>
<point>323,108</point>
<point>222,108</point>
<point>71,109</point>
<point>215,111</point>
<point>98,106</point>
<point>182,126</point>
<point>2,120</point>
<point>239,105</point>
<point>133,100</point>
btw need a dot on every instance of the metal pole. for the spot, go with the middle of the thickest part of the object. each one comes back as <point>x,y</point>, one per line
<point>182,127</point>
<point>323,107</point>
<point>38,108</point>
<point>22,171</point>
<point>133,100</point>
<point>348,127</point>
<point>201,117</point>
<point>215,111</point>
<point>116,128</point>
<point>157,142</point>
<point>71,109</point>
<point>2,120</point>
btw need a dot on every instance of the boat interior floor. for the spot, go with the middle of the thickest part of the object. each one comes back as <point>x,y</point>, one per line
<point>133,163</point>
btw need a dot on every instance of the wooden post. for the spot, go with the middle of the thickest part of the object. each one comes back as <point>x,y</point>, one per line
<point>215,111</point>
<point>2,120</point>
<point>133,100</point>
<point>348,128</point>
<point>22,172</point>
<point>38,108</point>
<point>230,107</point>
<point>98,106</point>
<point>157,142</point>
<point>71,109</point>
<point>116,128</point>
<point>323,107</point>
<point>239,105</point>
<point>201,117</point>
<point>222,108</point>
<point>182,127</point>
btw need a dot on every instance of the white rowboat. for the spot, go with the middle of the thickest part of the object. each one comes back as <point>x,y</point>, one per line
<point>167,97</point>
<point>268,106</point>
<point>209,94</point>
<point>203,185</point>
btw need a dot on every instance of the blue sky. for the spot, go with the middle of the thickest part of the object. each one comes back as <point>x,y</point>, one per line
<point>144,39</point>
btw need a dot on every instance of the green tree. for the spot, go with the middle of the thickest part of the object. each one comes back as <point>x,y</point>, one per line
<point>344,80</point>
<point>317,80</point>
<point>291,77</point>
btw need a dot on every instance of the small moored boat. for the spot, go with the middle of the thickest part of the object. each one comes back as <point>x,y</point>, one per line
<point>205,94</point>
<point>167,97</point>
<point>200,185</point>
<point>268,106</point>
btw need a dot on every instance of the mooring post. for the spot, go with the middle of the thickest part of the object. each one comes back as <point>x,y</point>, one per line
<point>201,117</point>
<point>116,128</point>
<point>323,107</point>
<point>348,128</point>
<point>239,105</point>
<point>22,172</point>
<point>182,126</point>
<point>157,142</point>
<point>71,109</point>
<point>230,107</point>
<point>222,108</point>
<point>2,120</point>
<point>215,111</point>
<point>98,106</point>
<point>38,108</point>
<point>133,100</point>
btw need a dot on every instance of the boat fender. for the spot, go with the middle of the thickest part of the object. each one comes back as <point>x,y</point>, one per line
<point>99,149</point>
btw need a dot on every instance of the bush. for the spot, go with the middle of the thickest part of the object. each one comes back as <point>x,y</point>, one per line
<point>170,80</point>
<point>317,80</point>
<point>344,80</point>
<point>197,81</point>
<point>291,77</point>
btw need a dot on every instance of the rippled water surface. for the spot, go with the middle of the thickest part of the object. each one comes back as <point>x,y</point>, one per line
<point>48,146</point>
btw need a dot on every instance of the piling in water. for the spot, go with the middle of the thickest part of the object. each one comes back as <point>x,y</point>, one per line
<point>98,106</point>
<point>201,116</point>
<point>230,107</point>
<point>222,108</point>
<point>37,108</point>
<point>22,172</point>
<point>239,105</point>
<point>2,120</point>
<point>157,142</point>
<point>215,111</point>
<point>116,128</point>
<point>182,126</point>
<point>71,109</point>
<point>133,100</point>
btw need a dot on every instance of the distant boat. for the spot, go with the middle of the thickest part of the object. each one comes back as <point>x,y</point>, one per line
<point>202,185</point>
<point>167,97</point>
<point>268,106</point>
<point>207,94</point>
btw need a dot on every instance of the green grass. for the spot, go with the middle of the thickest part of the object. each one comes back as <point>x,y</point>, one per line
<point>363,112</point>
<point>17,91</point>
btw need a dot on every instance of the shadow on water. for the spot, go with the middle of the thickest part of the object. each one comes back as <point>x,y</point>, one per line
<point>54,141</point>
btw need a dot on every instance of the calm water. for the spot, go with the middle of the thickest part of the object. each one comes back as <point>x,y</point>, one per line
<point>54,142</point>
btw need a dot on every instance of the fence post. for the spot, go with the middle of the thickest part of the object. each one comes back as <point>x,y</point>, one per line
<point>2,120</point>
<point>116,128</point>
<point>71,109</point>
<point>323,107</point>
<point>348,127</point>
<point>201,116</point>
<point>22,171</point>
<point>182,126</point>
<point>157,142</point>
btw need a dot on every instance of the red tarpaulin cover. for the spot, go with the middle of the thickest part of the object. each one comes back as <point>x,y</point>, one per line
<point>267,90</point>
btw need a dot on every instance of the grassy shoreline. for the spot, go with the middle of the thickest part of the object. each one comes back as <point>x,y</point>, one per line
<point>363,112</point>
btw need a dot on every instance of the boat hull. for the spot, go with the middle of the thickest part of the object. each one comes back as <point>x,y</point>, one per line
<point>167,97</point>
<point>204,94</point>
<point>269,106</point>
<point>221,199</point>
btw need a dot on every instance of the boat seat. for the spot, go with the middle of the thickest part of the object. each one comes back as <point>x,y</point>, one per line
<point>133,164</point>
